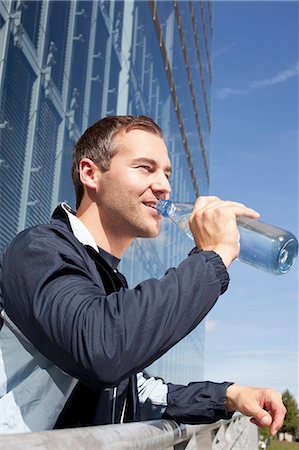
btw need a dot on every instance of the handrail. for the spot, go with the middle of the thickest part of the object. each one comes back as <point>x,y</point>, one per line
<point>151,435</point>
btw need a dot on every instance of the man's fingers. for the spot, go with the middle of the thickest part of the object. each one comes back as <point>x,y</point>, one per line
<point>278,418</point>
<point>272,419</point>
<point>210,203</point>
<point>262,417</point>
<point>264,422</point>
<point>263,405</point>
<point>213,225</point>
<point>267,421</point>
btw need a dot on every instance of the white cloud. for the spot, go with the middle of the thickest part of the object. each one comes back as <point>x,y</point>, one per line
<point>227,92</point>
<point>280,77</point>
<point>211,325</point>
<point>224,49</point>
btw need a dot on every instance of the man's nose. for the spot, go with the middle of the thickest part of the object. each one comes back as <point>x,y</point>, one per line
<point>161,186</point>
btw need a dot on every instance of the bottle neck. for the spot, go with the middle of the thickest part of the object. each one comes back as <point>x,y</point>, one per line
<point>165,207</point>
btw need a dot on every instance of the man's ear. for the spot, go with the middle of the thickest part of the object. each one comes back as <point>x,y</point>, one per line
<point>89,173</point>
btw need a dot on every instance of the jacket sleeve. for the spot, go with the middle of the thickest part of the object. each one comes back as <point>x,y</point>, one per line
<point>53,296</point>
<point>197,403</point>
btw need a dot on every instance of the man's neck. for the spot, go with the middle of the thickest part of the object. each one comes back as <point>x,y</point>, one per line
<point>90,217</point>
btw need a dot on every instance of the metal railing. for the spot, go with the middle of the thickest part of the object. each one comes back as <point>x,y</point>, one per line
<point>235,434</point>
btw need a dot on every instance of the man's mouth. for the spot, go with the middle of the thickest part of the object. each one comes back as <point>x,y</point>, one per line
<point>150,203</point>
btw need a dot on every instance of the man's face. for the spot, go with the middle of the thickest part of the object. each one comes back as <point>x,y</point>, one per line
<point>138,175</point>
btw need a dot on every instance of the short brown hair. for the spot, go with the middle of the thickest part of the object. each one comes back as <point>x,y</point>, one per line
<point>97,143</point>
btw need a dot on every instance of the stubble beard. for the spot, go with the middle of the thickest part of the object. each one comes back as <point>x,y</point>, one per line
<point>126,218</point>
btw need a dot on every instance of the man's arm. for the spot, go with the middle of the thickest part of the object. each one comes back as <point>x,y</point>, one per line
<point>197,403</point>
<point>63,310</point>
<point>207,402</point>
<point>53,297</point>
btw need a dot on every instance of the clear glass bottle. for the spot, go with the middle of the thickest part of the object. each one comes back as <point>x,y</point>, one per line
<point>263,246</point>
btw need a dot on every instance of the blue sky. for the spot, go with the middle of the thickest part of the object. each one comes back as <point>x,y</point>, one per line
<point>252,332</point>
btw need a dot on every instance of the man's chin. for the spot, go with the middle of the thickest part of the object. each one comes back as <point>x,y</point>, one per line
<point>150,233</point>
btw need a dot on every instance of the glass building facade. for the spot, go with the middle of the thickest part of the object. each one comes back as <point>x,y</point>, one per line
<point>64,65</point>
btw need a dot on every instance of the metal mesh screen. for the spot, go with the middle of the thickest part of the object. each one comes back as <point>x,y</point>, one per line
<point>14,115</point>
<point>42,167</point>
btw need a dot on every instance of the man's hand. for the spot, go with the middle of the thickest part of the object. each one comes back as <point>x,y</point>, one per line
<point>213,225</point>
<point>263,404</point>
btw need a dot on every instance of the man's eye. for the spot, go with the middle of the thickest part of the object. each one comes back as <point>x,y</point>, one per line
<point>146,168</point>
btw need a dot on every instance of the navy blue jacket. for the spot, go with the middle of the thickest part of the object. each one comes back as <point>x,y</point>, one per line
<point>55,291</point>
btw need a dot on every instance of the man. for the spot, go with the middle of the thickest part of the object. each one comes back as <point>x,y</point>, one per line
<point>75,338</point>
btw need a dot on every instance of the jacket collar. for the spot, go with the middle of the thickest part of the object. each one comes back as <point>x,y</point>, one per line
<point>64,213</point>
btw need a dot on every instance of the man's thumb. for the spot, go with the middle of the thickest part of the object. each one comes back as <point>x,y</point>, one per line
<point>264,418</point>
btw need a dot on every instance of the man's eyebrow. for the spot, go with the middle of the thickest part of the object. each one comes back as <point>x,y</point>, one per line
<point>151,162</point>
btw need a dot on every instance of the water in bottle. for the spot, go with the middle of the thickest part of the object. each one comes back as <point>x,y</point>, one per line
<point>263,246</point>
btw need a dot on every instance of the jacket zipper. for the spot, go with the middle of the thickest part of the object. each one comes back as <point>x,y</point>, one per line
<point>114,405</point>
<point>123,411</point>
<point>122,416</point>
